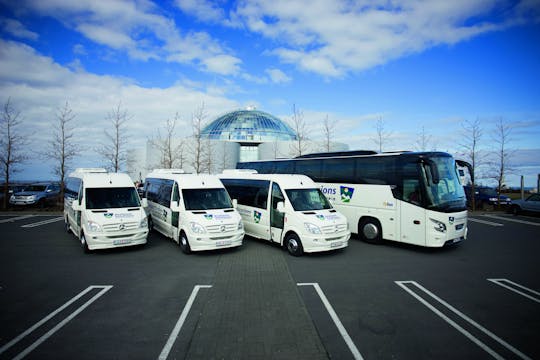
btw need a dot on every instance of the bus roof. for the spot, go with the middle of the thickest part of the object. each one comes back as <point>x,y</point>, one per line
<point>285,181</point>
<point>188,181</point>
<point>103,179</point>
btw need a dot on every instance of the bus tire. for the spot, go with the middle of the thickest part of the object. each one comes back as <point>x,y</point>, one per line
<point>294,245</point>
<point>184,243</point>
<point>68,228</point>
<point>150,224</point>
<point>84,244</point>
<point>369,230</point>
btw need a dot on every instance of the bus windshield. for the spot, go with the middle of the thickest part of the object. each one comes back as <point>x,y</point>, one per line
<point>206,199</point>
<point>444,190</point>
<point>307,199</point>
<point>111,198</point>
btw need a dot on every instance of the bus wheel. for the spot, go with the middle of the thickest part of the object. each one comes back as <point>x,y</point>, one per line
<point>150,224</point>
<point>68,229</point>
<point>84,244</point>
<point>184,244</point>
<point>294,245</point>
<point>369,230</point>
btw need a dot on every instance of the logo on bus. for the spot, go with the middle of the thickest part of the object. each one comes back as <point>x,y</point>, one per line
<point>208,216</point>
<point>320,217</point>
<point>108,215</point>
<point>346,193</point>
<point>256,216</point>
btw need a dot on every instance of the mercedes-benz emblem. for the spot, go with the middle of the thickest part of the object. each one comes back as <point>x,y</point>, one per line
<point>222,228</point>
<point>121,227</point>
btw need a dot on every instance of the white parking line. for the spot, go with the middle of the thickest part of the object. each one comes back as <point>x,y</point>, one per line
<point>485,222</point>
<point>335,318</point>
<point>104,289</point>
<point>44,222</point>
<point>13,219</point>
<point>512,220</point>
<point>501,282</point>
<point>174,334</point>
<point>475,340</point>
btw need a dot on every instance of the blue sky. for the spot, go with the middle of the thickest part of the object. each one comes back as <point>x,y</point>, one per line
<point>413,64</point>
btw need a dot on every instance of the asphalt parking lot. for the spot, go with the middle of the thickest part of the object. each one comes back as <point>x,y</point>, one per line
<point>479,299</point>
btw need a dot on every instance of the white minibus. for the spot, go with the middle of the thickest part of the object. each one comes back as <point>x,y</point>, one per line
<point>287,209</point>
<point>194,210</point>
<point>103,209</point>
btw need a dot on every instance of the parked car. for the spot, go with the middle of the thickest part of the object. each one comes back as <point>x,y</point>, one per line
<point>39,194</point>
<point>532,204</point>
<point>12,188</point>
<point>485,196</point>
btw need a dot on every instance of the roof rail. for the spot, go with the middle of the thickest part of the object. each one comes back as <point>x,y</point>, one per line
<point>239,171</point>
<point>91,170</point>
<point>337,153</point>
<point>169,171</point>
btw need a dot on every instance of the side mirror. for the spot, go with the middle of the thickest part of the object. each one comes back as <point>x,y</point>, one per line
<point>144,202</point>
<point>280,207</point>
<point>234,203</point>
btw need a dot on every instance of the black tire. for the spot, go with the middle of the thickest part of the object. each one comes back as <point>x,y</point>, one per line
<point>294,245</point>
<point>150,224</point>
<point>184,243</point>
<point>516,210</point>
<point>369,230</point>
<point>84,244</point>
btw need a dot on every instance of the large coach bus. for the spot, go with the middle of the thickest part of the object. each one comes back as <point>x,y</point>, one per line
<point>410,197</point>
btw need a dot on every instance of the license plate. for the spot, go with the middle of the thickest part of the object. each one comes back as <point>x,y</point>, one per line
<point>223,242</point>
<point>121,242</point>
<point>336,244</point>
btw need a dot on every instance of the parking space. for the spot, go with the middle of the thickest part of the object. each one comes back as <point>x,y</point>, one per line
<point>479,299</point>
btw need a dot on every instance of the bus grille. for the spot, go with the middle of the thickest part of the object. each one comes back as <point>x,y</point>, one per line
<point>120,226</point>
<point>218,229</point>
<point>332,229</point>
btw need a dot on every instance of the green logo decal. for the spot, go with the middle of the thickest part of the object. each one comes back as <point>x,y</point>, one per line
<point>108,215</point>
<point>346,193</point>
<point>208,216</point>
<point>256,216</point>
<point>320,217</point>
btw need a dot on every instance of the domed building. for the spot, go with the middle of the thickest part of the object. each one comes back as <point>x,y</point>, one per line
<point>240,135</point>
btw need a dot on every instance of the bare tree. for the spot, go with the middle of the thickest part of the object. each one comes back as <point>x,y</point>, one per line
<point>170,155</point>
<point>382,135</point>
<point>472,134</point>
<point>114,149</point>
<point>12,145</point>
<point>61,147</point>
<point>208,157</point>
<point>328,131</point>
<point>299,147</point>
<point>423,141</point>
<point>501,164</point>
<point>197,124</point>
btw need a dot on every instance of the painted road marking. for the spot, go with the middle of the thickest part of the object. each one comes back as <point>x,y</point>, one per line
<point>174,334</point>
<point>484,347</point>
<point>512,220</point>
<point>13,219</point>
<point>501,282</point>
<point>485,222</point>
<point>335,318</point>
<point>104,289</point>
<point>44,222</point>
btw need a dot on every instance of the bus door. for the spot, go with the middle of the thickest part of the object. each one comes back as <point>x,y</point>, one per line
<point>276,217</point>
<point>175,215</point>
<point>412,213</point>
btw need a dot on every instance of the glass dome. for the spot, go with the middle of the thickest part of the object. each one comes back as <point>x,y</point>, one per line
<point>248,126</point>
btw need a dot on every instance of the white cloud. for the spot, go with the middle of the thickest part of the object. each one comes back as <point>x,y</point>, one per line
<point>222,64</point>
<point>37,87</point>
<point>138,28</point>
<point>334,37</point>
<point>277,76</point>
<point>17,29</point>
<point>204,10</point>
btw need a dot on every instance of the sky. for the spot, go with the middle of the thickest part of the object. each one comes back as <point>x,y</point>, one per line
<point>416,67</point>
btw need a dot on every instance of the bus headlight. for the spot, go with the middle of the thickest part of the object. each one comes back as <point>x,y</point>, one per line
<point>144,223</point>
<point>94,227</point>
<point>240,225</point>
<point>197,228</point>
<point>314,229</point>
<point>438,225</point>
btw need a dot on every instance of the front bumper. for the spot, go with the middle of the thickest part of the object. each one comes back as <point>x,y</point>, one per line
<point>203,242</point>
<point>109,240</point>
<point>325,242</point>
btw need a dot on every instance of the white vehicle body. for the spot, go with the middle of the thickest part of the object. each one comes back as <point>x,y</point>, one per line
<point>287,209</point>
<point>103,209</point>
<point>414,198</point>
<point>193,210</point>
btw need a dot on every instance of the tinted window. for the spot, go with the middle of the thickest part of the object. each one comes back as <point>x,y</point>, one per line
<point>159,191</point>
<point>72,186</point>
<point>307,199</point>
<point>206,199</point>
<point>311,168</point>
<point>111,198</point>
<point>284,167</point>
<point>376,170</point>
<point>338,171</point>
<point>248,192</point>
